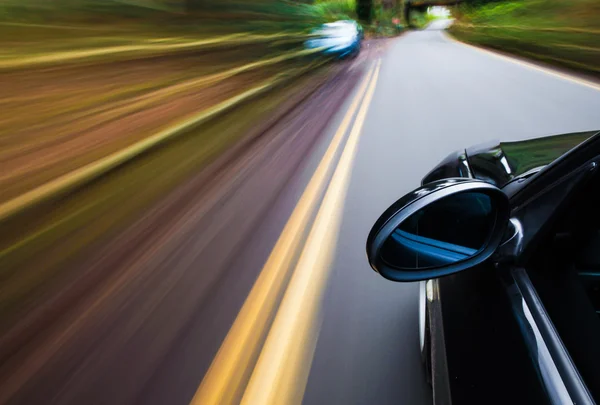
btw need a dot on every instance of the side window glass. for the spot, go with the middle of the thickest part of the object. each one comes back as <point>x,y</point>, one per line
<point>566,274</point>
<point>587,265</point>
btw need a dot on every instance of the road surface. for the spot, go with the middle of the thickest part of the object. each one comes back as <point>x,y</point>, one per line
<point>250,284</point>
<point>433,96</point>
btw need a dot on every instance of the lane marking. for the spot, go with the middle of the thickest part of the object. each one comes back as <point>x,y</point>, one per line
<point>529,65</point>
<point>281,373</point>
<point>225,380</point>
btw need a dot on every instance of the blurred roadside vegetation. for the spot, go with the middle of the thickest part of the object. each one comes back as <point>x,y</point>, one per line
<point>87,82</point>
<point>387,20</point>
<point>422,19</point>
<point>565,33</point>
<point>37,25</point>
<point>104,75</point>
<point>384,17</point>
<point>42,26</point>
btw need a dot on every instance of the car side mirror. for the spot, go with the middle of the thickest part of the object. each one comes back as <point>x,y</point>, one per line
<point>439,229</point>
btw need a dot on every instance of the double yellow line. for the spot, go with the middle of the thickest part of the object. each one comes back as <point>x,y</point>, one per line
<point>266,356</point>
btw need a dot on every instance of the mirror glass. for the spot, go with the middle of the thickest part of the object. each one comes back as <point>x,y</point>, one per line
<point>444,232</point>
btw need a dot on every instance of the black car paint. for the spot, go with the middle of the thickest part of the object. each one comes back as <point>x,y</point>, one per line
<point>485,161</point>
<point>480,356</point>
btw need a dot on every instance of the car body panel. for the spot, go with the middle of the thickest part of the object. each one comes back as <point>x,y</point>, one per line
<point>487,360</point>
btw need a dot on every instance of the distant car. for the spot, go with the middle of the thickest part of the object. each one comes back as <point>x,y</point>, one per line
<point>341,38</point>
<point>504,239</point>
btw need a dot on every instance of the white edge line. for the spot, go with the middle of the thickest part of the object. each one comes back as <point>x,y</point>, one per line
<point>530,65</point>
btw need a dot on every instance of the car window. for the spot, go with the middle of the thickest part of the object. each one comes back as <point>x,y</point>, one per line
<point>578,237</point>
<point>587,264</point>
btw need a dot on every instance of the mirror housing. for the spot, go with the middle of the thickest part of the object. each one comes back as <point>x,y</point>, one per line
<point>416,255</point>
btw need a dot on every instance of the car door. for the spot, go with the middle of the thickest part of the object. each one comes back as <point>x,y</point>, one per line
<point>564,272</point>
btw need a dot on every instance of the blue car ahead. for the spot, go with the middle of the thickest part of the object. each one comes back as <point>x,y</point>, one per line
<point>340,38</point>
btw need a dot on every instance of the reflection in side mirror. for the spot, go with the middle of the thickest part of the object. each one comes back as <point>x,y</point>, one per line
<point>438,229</point>
<point>446,231</point>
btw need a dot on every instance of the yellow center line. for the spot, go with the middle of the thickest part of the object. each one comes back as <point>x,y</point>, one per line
<point>228,374</point>
<point>547,71</point>
<point>281,372</point>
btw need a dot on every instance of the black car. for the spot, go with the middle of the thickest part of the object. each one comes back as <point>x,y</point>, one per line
<point>505,240</point>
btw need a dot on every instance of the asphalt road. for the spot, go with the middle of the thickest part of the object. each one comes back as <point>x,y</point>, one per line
<point>433,96</point>
<point>249,283</point>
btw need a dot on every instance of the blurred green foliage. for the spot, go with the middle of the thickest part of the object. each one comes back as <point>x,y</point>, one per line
<point>212,16</point>
<point>561,32</point>
<point>386,21</point>
<point>336,9</point>
<point>379,18</point>
<point>418,19</point>
<point>236,14</point>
